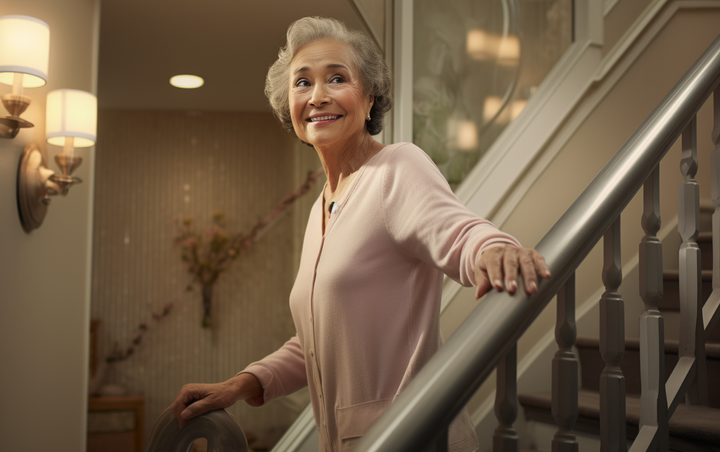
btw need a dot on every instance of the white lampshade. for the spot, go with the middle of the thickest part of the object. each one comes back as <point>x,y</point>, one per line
<point>71,113</point>
<point>24,49</point>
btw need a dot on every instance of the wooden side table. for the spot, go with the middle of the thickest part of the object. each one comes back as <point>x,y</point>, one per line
<point>115,424</point>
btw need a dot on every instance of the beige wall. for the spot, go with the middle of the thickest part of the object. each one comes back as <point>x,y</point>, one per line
<point>373,12</point>
<point>154,167</point>
<point>589,148</point>
<point>44,275</point>
<point>620,19</point>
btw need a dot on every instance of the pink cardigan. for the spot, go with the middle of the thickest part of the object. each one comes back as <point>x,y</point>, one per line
<point>366,301</point>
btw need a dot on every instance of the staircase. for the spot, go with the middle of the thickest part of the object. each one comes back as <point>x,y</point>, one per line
<point>692,427</point>
<point>420,416</point>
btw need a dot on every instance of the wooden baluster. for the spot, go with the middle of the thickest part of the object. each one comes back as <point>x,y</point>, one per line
<point>612,347</point>
<point>505,438</point>
<point>711,311</point>
<point>653,400</point>
<point>692,332</point>
<point>565,371</point>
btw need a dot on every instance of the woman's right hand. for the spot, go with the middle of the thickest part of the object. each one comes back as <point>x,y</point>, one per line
<point>196,399</point>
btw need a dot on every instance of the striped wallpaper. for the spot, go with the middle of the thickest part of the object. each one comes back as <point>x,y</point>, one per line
<point>153,167</point>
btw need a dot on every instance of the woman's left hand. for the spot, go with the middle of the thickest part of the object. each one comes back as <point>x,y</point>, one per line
<point>498,267</point>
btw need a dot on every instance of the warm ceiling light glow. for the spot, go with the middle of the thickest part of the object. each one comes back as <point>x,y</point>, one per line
<point>467,137</point>
<point>491,107</point>
<point>187,81</point>
<point>516,107</point>
<point>509,52</point>
<point>478,44</point>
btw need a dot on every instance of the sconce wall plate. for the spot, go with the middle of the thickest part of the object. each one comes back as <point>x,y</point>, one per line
<point>36,183</point>
<point>32,196</point>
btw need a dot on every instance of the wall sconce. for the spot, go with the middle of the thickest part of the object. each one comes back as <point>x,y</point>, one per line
<point>71,121</point>
<point>24,52</point>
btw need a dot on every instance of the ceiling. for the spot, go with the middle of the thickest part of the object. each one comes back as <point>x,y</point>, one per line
<point>230,43</point>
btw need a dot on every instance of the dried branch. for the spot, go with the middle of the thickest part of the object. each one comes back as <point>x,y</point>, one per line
<point>121,354</point>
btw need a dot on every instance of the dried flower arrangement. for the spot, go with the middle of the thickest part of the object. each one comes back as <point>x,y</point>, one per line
<point>207,255</point>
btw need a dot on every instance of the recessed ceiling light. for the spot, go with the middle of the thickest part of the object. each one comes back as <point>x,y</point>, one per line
<point>187,81</point>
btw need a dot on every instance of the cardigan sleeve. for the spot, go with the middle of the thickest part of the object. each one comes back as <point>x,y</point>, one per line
<point>428,222</point>
<point>282,372</point>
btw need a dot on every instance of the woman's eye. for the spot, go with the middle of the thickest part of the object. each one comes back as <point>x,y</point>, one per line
<point>337,79</point>
<point>302,82</point>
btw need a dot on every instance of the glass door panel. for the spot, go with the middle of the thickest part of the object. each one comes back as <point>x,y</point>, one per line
<point>476,63</point>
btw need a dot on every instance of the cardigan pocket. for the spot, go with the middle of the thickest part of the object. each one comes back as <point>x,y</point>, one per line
<point>355,420</point>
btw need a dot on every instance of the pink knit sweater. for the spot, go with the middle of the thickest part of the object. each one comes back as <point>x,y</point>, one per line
<point>366,301</point>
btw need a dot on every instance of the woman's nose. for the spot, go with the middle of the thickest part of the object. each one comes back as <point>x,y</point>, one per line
<point>319,95</point>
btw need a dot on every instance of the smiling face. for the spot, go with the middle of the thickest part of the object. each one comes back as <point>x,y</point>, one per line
<point>328,105</point>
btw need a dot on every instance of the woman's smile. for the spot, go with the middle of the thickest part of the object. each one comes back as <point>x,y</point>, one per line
<point>322,120</point>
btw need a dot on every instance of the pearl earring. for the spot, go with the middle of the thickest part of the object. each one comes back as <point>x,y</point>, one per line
<point>368,117</point>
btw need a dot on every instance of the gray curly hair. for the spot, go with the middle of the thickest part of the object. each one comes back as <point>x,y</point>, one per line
<point>368,60</point>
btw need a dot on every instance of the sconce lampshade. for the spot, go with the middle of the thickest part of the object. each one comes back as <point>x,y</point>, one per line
<point>71,113</point>
<point>24,49</point>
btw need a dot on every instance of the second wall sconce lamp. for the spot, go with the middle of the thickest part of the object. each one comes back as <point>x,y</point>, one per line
<point>71,121</point>
<point>24,54</point>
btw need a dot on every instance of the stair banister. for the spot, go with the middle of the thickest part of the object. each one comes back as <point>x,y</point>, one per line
<point>437,394</point>
<point>711,311</point>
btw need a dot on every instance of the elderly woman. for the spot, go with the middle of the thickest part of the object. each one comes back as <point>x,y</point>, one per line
<point>366,301</point>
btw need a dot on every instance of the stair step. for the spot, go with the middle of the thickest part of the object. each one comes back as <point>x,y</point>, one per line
<point>592,365</point>
<point>671,289</point>
<point>698,424</point>
<point>704,241</point>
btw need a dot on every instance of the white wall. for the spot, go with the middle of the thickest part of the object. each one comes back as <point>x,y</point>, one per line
<point>45,275</point>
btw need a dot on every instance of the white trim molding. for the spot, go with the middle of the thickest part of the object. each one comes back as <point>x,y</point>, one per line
<point>403,70</point>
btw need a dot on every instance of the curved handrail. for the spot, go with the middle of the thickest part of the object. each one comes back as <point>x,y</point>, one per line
<point>443,387</point>
<point>221,430</point>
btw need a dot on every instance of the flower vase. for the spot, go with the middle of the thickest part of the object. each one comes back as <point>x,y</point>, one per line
<point>206,301</point>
